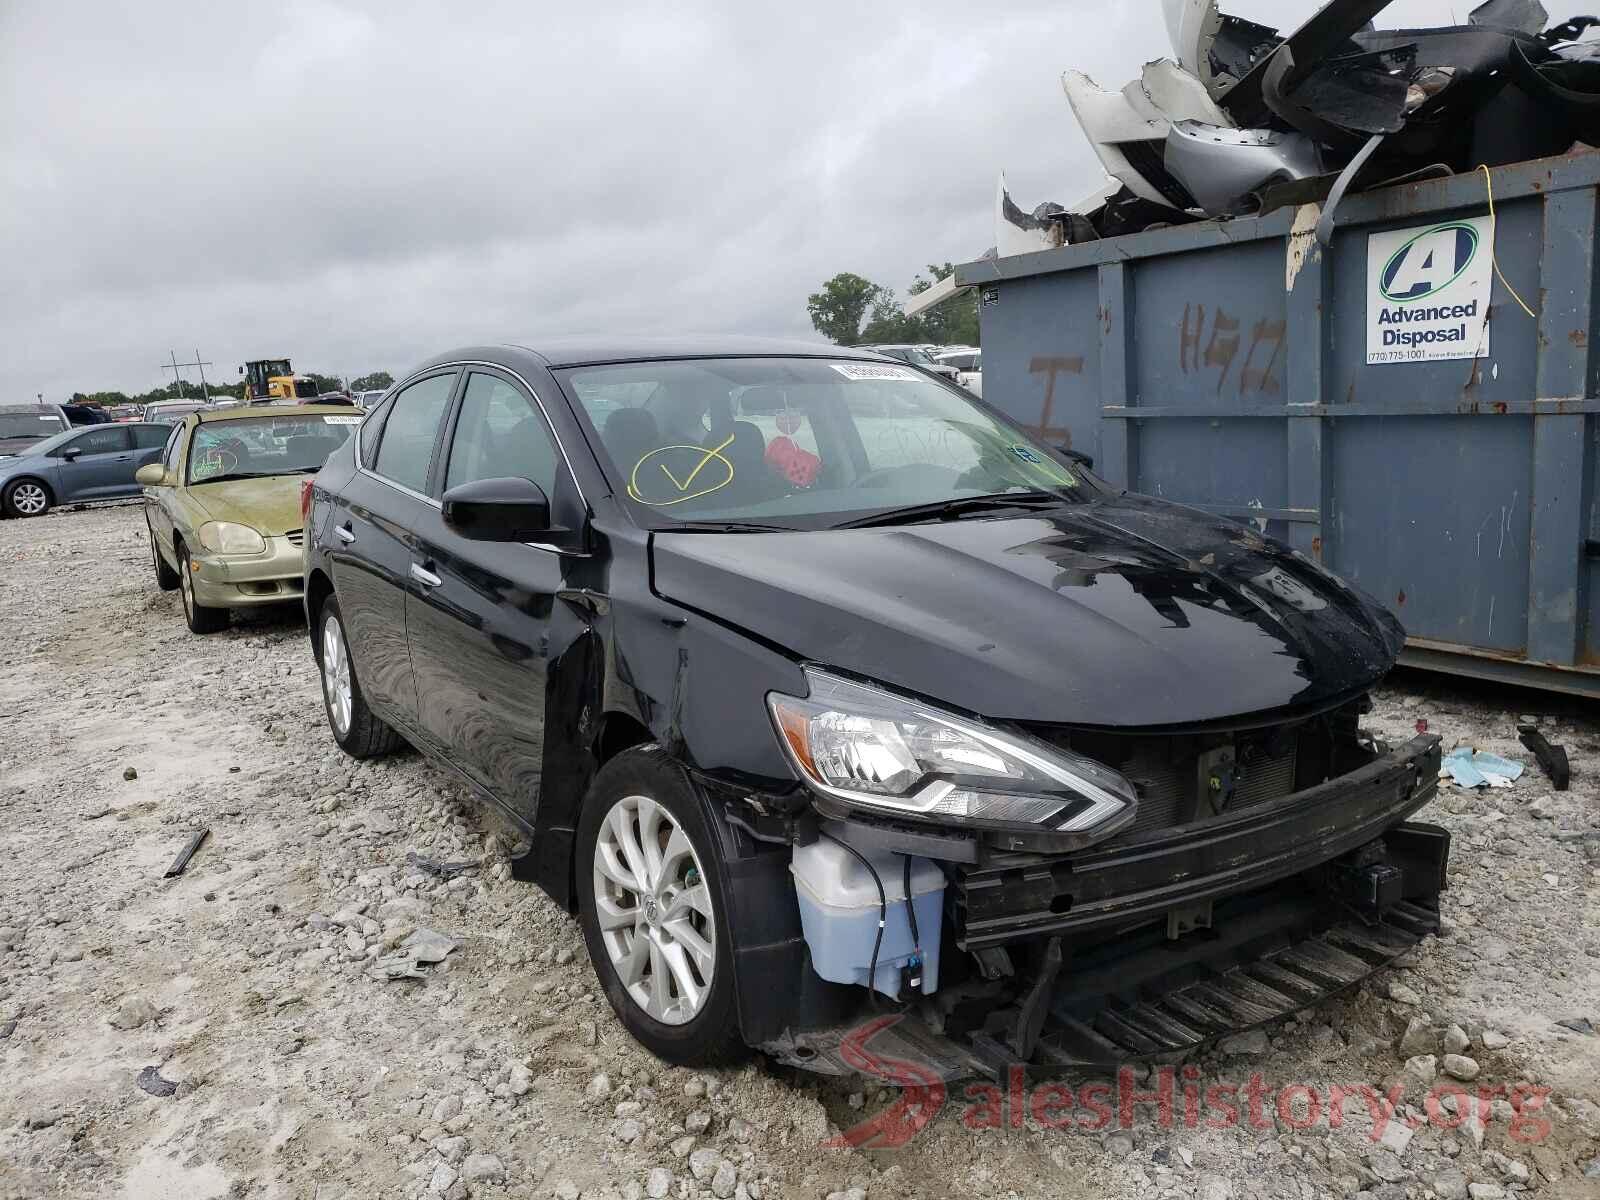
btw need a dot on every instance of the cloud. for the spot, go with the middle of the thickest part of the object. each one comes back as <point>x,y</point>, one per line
<point>361,185</point>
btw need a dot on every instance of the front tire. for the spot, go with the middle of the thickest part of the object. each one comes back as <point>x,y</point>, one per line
<point>360,734</point>
<point>27,498</point>
<point>652,899</point>
<point>200,618</point>
<point>166,578</point>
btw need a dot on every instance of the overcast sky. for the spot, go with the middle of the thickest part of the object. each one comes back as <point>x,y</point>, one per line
<point>361,185</point>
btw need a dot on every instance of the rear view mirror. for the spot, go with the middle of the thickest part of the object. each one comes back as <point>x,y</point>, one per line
<point>499,510</point>
<point>151,475</point>
<point>1077,456</point>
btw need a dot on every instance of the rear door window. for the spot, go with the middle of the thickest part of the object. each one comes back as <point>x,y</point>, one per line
<point>405,446</point>
<point>149,437</point>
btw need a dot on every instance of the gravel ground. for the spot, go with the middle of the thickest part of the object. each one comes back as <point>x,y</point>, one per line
<point>242,990</point>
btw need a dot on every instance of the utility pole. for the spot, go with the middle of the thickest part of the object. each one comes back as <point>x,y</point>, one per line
<point>205,392</point>
<point>177,379</point>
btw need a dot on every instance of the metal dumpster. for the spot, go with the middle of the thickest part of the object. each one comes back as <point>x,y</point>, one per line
<point>1226,365</point>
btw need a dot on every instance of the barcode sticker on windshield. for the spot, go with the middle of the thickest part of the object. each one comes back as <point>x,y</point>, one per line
<point>341,420</point>
<point>875,372</point>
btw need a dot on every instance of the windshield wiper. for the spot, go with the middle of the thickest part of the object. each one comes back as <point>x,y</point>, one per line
<point>954,510</point>
<point>724,527</point>
<point>234,475</point>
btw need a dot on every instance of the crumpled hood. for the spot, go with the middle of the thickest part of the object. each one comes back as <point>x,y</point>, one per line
<point>270,505</point>
<point>1123,611</point>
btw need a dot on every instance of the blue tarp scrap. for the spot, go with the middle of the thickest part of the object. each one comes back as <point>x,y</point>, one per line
<point>1474,768</point>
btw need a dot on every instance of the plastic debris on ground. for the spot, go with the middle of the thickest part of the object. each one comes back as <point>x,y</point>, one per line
<point>1248,119</point>
<point>424,947</point>
<point>1477,768</point>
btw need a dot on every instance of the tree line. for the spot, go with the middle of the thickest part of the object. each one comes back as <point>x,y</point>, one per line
<point>851,310</point>
<point>186,388</point>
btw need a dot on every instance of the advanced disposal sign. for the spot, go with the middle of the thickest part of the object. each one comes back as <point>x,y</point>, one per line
<point>1428,292</point>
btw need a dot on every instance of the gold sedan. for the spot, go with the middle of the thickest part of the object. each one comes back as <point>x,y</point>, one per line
<point>223,505</point>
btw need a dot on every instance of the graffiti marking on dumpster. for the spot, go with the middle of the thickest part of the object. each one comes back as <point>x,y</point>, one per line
<point>1197,352</point>
<point>1428,292</point>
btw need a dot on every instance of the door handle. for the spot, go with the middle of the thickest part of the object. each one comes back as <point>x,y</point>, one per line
<point>346,534</point>
<point>424,576</point>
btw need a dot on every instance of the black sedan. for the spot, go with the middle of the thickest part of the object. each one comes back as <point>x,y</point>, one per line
<point>819,686</point>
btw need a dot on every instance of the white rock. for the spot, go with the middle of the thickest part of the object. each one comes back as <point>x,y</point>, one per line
<point>133,1012</point>
<point>599,1087</point>
<point>1459,1066</point>
<point>725,1179</point>
<point>1402,994</point>
<point>1250,1044</point>
<point>1494,1040</point>
<point>521,1080</point>
<point>482,1167</point>
<point>703,1163</point>
<point>441,1179</point>
<point>658,1183</point>
<point>1214,1187</point>
<point>451,1148</point>
<point>449,1107</point>
<point>1456,1040</point>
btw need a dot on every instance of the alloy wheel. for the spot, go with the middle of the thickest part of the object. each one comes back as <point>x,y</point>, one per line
<point>653,909</point>
<point>336,675</point>
<point>29,499</point>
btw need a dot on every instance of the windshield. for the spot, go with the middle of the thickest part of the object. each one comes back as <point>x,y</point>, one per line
<point>32,424</point>
<point>256,446</point>
<point>169,414</point>
<point>801,443</point>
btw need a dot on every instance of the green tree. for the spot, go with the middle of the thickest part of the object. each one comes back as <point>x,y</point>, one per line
<point>953,322</point>
<point>839,308</point>
<point>325,383</point>
<point>378,381</point>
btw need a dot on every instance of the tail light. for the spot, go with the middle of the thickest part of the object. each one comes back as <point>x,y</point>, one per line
<point>306,485</point>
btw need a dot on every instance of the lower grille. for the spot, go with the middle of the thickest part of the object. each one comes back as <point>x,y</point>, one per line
<point>1170,783</point>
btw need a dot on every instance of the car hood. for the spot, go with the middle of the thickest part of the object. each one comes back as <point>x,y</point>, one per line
<point>270,505</point>
<point>1122,611</point>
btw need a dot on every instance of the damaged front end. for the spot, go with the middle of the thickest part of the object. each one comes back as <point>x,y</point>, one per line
<point>1260,868</point>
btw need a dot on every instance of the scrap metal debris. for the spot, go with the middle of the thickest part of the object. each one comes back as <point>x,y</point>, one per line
<point>1477,768</point>
<point>1248,119</point>
<point>181,863</point>
<point>1552,759</point>
<point>443,870</point>
<point>424,947</point>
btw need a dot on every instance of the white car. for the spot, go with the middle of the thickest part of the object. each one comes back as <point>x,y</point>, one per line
<point>968,363</point>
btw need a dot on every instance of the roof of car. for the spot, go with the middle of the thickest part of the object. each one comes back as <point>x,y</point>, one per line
<point>30,408</point>
<point>577,351</point>
<point>272,410</point>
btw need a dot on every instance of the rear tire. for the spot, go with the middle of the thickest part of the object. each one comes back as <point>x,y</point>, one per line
<point>359,732</point>
<point>197,616</point>
<point>166,578</point>
<point>652,900</point>
<point>27,498</point>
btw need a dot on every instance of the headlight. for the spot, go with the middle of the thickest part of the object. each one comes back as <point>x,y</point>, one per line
<point>874,749</point>
<point>224,537</point>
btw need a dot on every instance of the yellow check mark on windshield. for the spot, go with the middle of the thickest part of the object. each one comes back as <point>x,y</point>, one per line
<point>685,484</point>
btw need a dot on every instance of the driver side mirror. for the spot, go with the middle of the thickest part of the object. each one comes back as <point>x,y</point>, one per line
<point>501,510</point>
<point>72,453</point>
<point>1077,456</point>
<point>151,475</point>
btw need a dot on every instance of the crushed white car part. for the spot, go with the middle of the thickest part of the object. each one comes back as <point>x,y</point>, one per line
<point>1226,169</point>
<point>1216,49</point>
<point>1177,95</point>
<point>1128,142</point>
<point>1527,16</point>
